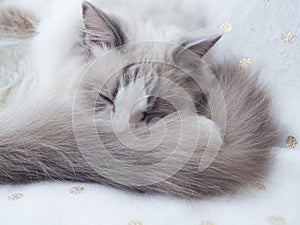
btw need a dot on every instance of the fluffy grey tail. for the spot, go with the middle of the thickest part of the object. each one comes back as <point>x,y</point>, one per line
<point>47,142</point>
<point>249,135</point>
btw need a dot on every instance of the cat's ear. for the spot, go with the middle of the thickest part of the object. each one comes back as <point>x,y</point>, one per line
<point>99,28</point>
<point>199,47</point>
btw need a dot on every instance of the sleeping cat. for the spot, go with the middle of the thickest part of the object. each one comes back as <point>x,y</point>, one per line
<point>110,106</point>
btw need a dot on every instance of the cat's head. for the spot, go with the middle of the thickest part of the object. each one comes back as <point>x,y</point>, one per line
<point>144,81</point>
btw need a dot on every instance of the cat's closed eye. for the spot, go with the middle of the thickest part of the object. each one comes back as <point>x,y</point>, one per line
<point>107,99</point>
<point>152,117</point>
<point>102,102</point>
<point>158,108</point>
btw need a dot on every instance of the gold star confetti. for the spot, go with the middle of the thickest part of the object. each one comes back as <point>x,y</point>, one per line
<point>15,197</point>
<point>266,99</point>
<point>276,220</point>
<point>76,190</point>
<point>260,187</point>
<point>291,141</point>
<point>207,223</point>
<point>225,28</point>
<point>135,223</point>
<point>245,62</point>
<point>288,37</point>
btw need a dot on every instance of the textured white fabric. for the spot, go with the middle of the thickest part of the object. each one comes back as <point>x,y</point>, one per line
<point>257,33</point>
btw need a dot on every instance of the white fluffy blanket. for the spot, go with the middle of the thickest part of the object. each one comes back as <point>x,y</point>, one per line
<point>266,35</point>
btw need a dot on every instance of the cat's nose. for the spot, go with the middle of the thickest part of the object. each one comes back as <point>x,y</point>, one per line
<point>136,117</point>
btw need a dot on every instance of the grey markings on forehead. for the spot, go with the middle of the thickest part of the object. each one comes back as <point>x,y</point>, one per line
<point>129,73</point>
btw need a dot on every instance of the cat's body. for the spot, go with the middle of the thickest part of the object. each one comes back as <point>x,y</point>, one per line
<point>148,67</point>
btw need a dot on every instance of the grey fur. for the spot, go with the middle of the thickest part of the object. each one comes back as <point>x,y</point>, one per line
<point>37,140</point>
<point>40,145</point>
<point>113,35</point>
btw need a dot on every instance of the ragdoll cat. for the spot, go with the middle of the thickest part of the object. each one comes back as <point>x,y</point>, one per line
<point>152,116</point>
